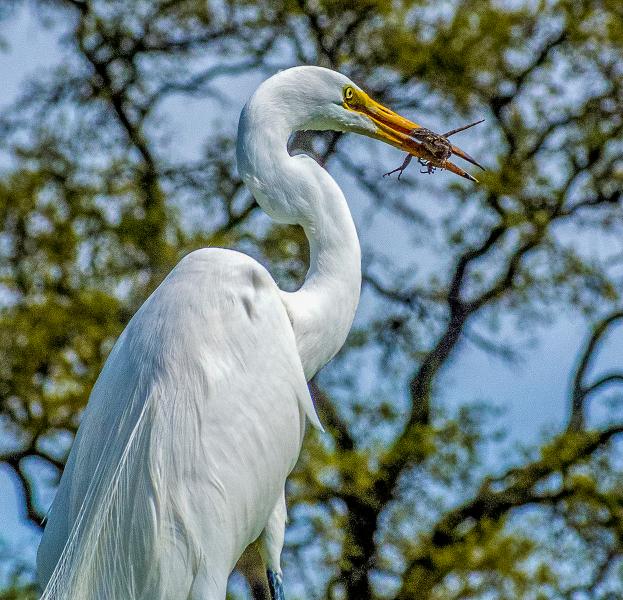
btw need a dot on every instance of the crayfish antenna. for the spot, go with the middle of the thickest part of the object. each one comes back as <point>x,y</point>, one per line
<point>453,131</point>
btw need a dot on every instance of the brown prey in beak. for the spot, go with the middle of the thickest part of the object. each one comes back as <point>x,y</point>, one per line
<point>437,151</point>
<point>431,149</point>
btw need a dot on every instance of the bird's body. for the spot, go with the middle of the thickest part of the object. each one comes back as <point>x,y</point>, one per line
<point>172,425</point>
<point>198,415</point>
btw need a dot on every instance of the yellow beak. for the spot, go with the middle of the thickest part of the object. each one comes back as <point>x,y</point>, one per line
<point>403,134</point>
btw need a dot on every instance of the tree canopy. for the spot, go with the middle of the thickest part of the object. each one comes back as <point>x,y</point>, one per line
<point>399,500</point>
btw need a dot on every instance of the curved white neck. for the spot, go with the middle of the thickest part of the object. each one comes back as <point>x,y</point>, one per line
<point>295,189</point>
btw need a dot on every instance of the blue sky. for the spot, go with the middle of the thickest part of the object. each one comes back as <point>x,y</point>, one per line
<point>532,392</point>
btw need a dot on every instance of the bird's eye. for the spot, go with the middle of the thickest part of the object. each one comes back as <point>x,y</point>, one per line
<point>348,93</point>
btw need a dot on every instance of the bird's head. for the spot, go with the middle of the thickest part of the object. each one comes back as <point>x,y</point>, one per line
<point>315,98</point>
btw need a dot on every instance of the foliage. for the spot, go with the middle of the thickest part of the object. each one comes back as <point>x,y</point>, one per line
<point>397,502</point>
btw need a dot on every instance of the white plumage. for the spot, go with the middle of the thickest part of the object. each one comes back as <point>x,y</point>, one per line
<point>185,476</point>
<point>198,415</point>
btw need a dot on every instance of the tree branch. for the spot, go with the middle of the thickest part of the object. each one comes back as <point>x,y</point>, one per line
<point>496,497</point>
<point>580,388</point>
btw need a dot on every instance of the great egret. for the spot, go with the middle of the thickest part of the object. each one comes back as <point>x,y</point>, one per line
<point>198,415</point>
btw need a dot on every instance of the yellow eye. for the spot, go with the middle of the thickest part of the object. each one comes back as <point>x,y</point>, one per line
<point>348,93</point>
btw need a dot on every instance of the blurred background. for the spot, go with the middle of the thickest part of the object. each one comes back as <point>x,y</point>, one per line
<point>474,419</point>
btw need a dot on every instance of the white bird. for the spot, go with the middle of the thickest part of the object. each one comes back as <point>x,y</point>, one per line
<point>198,415</point>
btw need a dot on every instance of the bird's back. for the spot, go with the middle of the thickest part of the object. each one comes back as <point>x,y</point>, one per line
<point>183,450</point>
